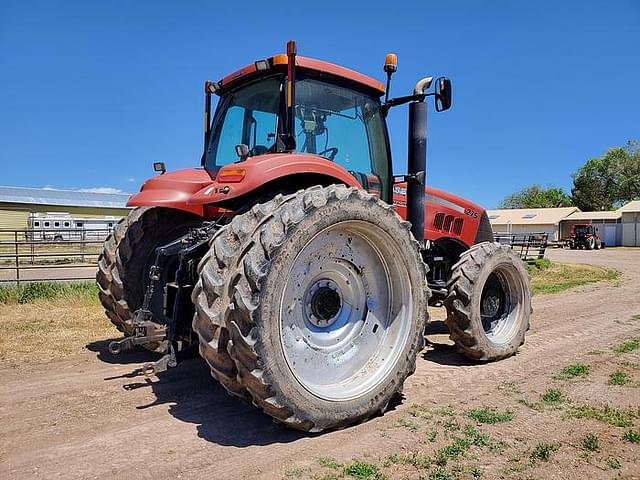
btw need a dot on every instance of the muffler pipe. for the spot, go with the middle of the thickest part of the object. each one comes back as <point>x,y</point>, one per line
<point>417,165</point>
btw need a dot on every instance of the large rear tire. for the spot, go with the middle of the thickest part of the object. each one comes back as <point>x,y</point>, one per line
<point>127,255</point>
<point>489,302</point>
<point>323,311</point>
<point>213,292</point>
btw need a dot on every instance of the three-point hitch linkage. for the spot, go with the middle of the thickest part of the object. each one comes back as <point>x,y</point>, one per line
<point>171,338</point>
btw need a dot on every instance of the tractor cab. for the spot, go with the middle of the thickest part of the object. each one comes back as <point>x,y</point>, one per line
<point>336,116</point>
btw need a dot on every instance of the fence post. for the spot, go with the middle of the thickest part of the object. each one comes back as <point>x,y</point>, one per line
<point>15,232</point>
<point>84,237</point>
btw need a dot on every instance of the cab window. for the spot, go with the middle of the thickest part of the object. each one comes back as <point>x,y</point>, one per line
<point>346,127</point>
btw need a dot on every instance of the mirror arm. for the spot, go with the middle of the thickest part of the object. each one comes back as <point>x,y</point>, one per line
<point>394,102</point>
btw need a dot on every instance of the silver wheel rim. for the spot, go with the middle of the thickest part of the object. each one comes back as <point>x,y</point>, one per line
<point>501,304</point>
<point>346,310</point>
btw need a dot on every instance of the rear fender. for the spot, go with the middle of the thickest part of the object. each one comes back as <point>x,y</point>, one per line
<point>172,190</point>
<point>265,169</point>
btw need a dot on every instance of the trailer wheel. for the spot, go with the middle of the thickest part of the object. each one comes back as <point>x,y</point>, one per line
<point>489,302</point>
<point>328,304</point>
<point>126,257</point>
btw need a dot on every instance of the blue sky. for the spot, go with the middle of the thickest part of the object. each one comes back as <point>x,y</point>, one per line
<point>91,93</point>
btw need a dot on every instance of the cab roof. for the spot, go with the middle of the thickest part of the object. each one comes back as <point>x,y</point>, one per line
<point>308,64</point>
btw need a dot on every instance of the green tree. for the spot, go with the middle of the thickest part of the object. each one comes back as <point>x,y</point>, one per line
<point>536,196</point>
<point>610,181</point>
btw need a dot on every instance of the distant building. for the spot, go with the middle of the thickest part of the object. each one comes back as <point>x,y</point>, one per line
<point>630,224</point>
<point>17,204</point>
<point>608,224</point>
<point>619,227</point>
<point>530,220</point>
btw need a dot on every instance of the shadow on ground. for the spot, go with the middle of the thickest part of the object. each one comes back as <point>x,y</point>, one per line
<point>135,355</point>
<point>443,353</point>
<point>193,396</point>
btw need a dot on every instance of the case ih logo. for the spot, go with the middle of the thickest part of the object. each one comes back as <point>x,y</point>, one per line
<point>226,189</point>
<point>400,190</point>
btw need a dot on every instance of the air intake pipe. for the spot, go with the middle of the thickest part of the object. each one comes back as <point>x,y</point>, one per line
<point>417,161</point>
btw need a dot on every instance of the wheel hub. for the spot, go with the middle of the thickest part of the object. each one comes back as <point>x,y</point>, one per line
<point>344,311</point>
<point>324,302</point>
<point>490,305</point>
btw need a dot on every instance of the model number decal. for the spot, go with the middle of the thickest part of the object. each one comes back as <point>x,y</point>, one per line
<point>471,212</point>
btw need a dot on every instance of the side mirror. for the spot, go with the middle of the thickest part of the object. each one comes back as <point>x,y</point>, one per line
<point>242,151</point>
<point>159,167</point>
<point>443,94</point>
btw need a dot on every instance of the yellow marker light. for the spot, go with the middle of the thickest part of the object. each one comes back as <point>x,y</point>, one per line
<point>391,62</point>
<point>231,175</point>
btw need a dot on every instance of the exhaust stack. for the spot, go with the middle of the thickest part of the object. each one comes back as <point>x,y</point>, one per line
<point>417,161</point>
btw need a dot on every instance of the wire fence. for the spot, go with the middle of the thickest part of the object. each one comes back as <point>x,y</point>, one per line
<point>37,255</point>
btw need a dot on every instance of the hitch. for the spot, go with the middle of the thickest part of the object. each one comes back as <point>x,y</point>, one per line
<point>145,330</point>
<point>189,249</point>
<point>167,361</point>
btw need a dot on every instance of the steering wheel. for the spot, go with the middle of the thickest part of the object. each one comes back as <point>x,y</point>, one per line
<point>332,155</point>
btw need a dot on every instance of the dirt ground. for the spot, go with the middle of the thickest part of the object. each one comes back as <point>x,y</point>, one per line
<point>89,416</point>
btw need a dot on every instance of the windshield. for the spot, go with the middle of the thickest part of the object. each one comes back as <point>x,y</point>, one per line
<point>247,115</point>
<point>344,126</point>
<point>583,230</point>
<point>340,124</point>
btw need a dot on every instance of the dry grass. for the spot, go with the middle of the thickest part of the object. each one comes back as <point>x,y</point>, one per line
<point>53,328</point>
<point>559,277</point>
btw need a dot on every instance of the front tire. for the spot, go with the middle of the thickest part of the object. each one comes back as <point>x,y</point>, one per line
<point>328,304</point>
<point>489,302</point>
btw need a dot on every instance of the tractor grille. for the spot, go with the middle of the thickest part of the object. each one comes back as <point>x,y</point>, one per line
<point>438,221</point>
<point>457,226</point>
<point>448,223</point>
<point>448,220</point>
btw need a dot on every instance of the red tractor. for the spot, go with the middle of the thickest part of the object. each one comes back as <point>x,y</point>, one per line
<point>296,261</point>
<point>585,236</point>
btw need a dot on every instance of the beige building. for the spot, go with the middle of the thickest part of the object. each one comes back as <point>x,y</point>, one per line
<point>608,224</point>
<point>615,228</point>
<point>530,220</point>
<point>630,224</point>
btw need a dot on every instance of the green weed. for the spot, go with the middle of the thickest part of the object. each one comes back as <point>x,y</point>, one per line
<point>407,424</point>
<point>632,436</point>
<point>360,470</point>
<point>489,415</point>
<point>629,346</point>
<point>439,473</point>
<point>612,463</point>
<point>451,451</point>
<point>618,378</point>
<point>552,396</point>
<point>329,462</point>
<point>575,370</point>
<point>612,416</point>
<point>295,472</point>
<point>476,437</point>
<point>590,442</point>
<point>544,451</point>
